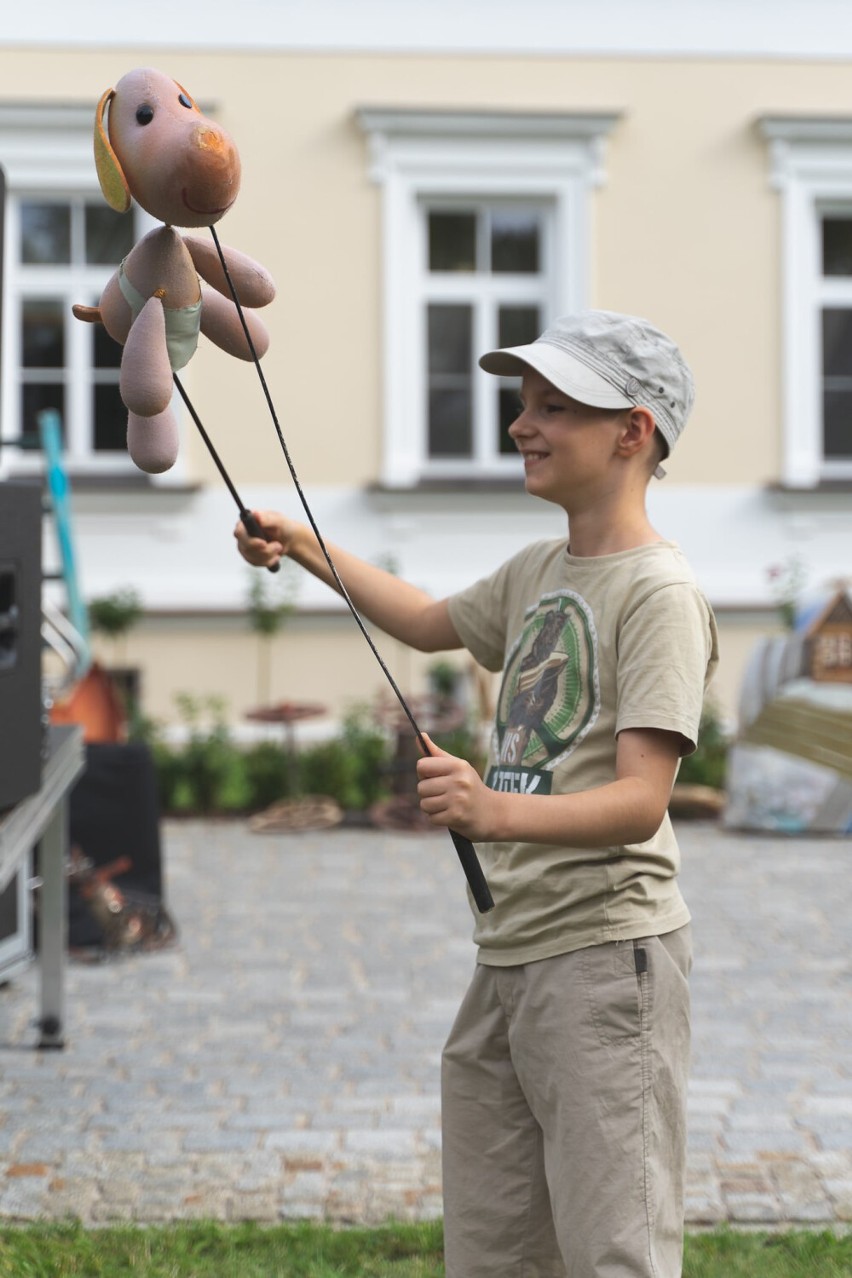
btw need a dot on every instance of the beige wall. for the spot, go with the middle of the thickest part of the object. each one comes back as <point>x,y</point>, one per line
<point>315,658</point>
<point>323,659</point>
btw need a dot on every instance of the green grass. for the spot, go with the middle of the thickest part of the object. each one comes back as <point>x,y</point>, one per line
<point>209,1250</point>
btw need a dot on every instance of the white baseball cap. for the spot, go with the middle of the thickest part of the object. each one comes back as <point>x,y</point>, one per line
<point>608,360</point>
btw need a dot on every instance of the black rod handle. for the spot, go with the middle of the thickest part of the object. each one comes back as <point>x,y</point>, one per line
<point>473,872</point>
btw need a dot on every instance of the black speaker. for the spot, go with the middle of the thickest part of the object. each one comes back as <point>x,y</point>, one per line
<point>113,814</point>
<point>21,707</point>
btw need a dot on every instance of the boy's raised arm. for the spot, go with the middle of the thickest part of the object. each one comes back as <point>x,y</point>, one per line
<point>403,611</point>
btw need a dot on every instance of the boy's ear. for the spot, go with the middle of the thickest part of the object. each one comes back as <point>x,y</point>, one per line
<point>110,175</point>
<point>639,426</point>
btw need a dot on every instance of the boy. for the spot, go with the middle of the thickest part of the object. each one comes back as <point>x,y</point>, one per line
<point>564,1076</point>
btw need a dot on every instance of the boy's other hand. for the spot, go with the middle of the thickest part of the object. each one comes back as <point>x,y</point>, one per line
<point>452,794</point>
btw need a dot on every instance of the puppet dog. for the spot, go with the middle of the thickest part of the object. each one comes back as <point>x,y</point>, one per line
<point>153,144</point>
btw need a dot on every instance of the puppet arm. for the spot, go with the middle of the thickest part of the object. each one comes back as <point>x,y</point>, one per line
<point>253,283</point>
<point>220,322</point>
<point>88,314</point>
<point>629,809</point>
<point>403,611</point>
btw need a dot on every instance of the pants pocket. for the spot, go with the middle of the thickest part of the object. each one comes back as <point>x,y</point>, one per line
<point>613,985</point>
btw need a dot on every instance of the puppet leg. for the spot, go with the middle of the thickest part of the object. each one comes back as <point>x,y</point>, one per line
<point>146,374</point>
<point>153,441</point>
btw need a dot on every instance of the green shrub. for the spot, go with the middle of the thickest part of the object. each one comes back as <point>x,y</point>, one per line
<point>330,768</point>
<point>210,773</point>
<point>350,768</point>
<point>463,743</point>
<point>270,774</point>
<point>708,764</point>
<point>204,774</point>
<point>371,750</point>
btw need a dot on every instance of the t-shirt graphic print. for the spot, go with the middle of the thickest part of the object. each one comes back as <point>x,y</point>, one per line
<point>550,694</point>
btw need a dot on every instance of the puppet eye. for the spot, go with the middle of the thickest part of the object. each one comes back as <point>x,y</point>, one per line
<point>144,114</point>
<point>185,101</point>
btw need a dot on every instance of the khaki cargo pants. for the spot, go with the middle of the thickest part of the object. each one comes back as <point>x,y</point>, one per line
<point>564,1115</point>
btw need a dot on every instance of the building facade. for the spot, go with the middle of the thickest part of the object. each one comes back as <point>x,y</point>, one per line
<point>422,186</point>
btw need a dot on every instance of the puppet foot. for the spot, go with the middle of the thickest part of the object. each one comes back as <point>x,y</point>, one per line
<point>153,441</point>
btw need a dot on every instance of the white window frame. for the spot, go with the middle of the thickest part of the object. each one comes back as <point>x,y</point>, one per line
<point>484,293</point>
<point>420,157</point>
<point>811,167</point>
<point>47,153</point>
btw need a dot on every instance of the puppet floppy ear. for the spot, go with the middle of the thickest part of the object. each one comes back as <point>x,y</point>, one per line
<point>112,180</point>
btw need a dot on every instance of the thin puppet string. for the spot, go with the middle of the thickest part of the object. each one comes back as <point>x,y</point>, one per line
<point>464,847</point>
<point>245,515</point>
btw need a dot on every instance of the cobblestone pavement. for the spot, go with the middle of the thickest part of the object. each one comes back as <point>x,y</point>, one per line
<point>281,1061</point>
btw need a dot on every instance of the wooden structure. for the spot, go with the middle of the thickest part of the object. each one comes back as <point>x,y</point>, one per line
<point>828,642</point>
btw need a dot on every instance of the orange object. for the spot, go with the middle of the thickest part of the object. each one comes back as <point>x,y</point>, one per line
<point>96,705</point>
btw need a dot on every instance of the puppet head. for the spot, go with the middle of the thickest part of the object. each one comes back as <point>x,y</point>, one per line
<point>157,147</point>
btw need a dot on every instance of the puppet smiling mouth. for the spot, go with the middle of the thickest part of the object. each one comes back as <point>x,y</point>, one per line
<point>205,212</point>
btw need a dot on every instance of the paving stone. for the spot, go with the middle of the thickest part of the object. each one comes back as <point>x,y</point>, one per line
<point>282,1061</point>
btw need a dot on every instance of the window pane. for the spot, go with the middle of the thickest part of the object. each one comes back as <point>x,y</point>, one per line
<point>450,383</point>
<point>837,383</point>
<point>450,424</point>
<point>837,425</point>
<point>837,343</point>
<point>449,339</point>
<point>452,241</point>
<point>516,325</point>
<point>110,419</point>
<point>515,242</point>
<point>35,397</point>
<point>109,235</point>
<point>45,234</point>
<point>837,246</point>
<point>508,408</point>
<point>43,333</point>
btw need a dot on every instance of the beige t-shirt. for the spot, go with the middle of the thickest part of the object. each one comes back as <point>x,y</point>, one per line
<point>588,647</point>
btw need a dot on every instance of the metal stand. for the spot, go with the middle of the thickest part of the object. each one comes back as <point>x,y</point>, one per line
<point>43,816</point>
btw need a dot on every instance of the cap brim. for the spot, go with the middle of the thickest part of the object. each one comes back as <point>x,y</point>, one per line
<point>563,370</point>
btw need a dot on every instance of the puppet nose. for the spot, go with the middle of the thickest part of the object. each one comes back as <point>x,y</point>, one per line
<point>207,139</point>
<point>212,174</point>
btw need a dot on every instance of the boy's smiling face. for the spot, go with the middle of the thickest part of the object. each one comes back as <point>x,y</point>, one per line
<point>568,448</point>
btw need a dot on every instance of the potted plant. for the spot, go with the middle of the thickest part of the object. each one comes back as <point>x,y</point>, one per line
<point>114,616</point>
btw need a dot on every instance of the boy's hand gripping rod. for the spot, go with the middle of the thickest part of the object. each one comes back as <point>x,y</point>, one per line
<point>464,848</point>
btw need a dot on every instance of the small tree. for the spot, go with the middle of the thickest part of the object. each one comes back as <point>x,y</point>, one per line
<point>114,615</point>
<point>268,610</point>
<point>787,580</point>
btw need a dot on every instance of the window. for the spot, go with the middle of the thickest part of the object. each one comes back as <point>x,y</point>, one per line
<point>835,291</point>
<point>485,239</point>
<point>485,285</point>
<point>62,243</point>
<point>63,250</point>
<point>812,168</point>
